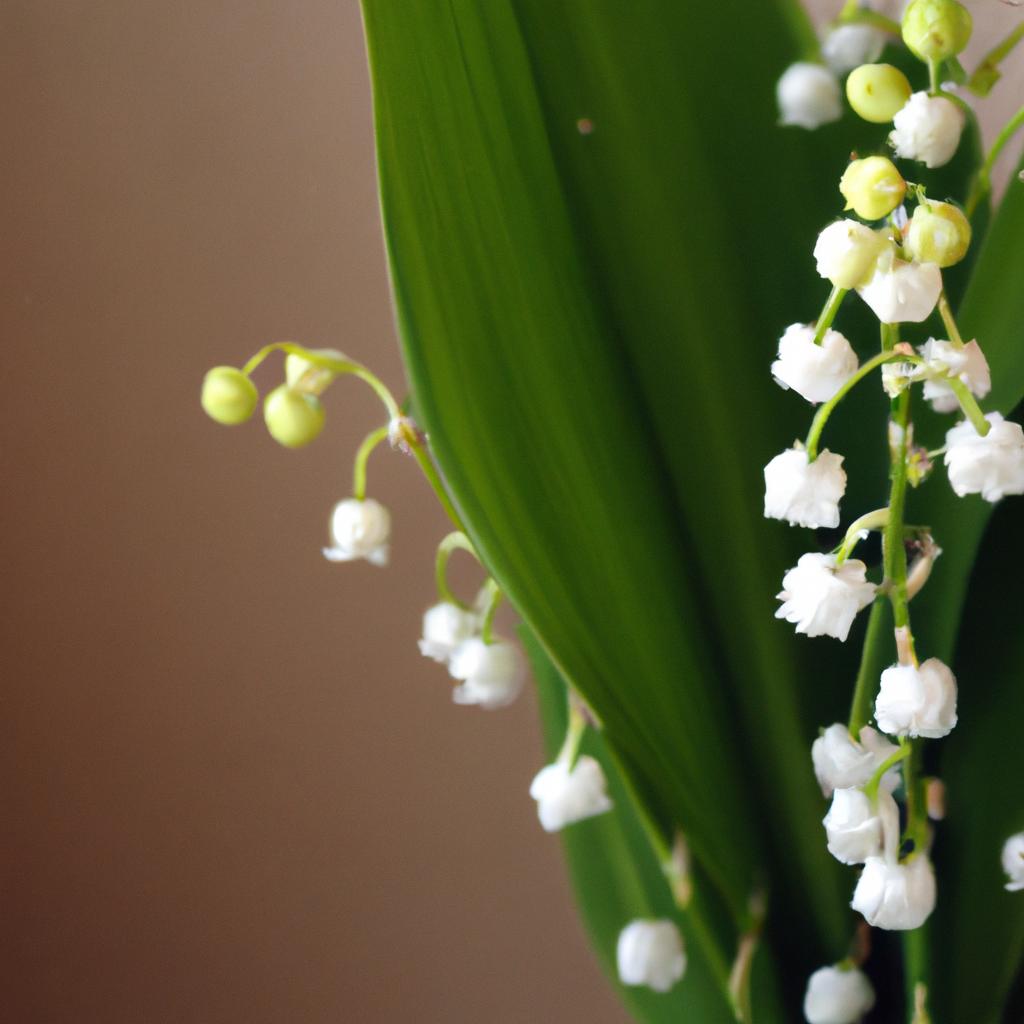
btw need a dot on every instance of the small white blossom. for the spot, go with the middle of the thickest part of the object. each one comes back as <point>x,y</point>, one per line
<point>491,674</point>
<point>853,826</point>
<point>804,493</point>
<point>897,377</point>
<point>917,701</point>
<point>651,953</point>
<point>823,598</point>
<point>846,252</point>
<point>815,372</point>
<point>944,360</point>
<point>894,896</point>
<point>899,292</point>
<point>848,46</point>
<point>808,96</point>
<point>837,995</point>
<point>359,529</point>
<point>840,762</point>
<point>1013,862</point>
<point>927,129</point>
<point>993,465</point>
<point>445,626</point>
<point>566,796</point>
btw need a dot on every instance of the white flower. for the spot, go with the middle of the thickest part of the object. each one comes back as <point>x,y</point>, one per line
<point>943,360</point>
<point>848,46</point>
<point>823,598</point>
<point>846,252</point>
<point>492,674</point>
<point>445,626</point>
<point>565,796</point>
<point>359,529</point>
<point>853,826</point>
<point>991,466</point>
<point>651,953</point>
<point>815,372</point>
<point>804,493</point>
<point>927,129</point>
<point>808,95</point>
<point>902,293</point>
<point>1013,862</point>
<point>894,896</point>
<point>837,995</point>
<point>917,701</point>
<point>840,762</point>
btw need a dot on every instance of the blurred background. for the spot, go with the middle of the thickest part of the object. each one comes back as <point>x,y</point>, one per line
<point>234,790</point>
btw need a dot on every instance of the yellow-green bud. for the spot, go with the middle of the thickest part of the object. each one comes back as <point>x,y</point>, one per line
<point>936,29</point>
<point>293,418</point>
<point>877,92</point>
<point>938,233</point>
<point>228,397</point>
<point>303,375</point>
<point>872,187</point>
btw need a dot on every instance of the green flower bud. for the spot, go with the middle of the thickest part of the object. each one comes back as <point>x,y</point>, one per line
<point>938,233</point>
<point>877,92</point>
<point>228,397</point>
<point>872,187</point>
<point>293,418</point>
<point>936,29</point>
<point>302,375</point>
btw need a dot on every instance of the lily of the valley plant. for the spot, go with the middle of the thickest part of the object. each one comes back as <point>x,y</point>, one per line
<point>600,216</point>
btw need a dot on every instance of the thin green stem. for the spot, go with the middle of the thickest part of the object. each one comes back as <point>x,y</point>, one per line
<point>868,521</point>
<point>933,77</point>
<point>575,728</point>
<point>426,464</point>
<point>871,789</point>
<point>494,597</point>
<point>867,674</point>
<point>828,313</point>
<point>456,541</point>
<point>969,405</point>
<point>827,408</point>
<point>982,184</point>
<point>894,554</point>
<point>371,441</point>
<point>987,72</point>
<point>913,788</point>
<point>853,14</point>
<point>948,320</point>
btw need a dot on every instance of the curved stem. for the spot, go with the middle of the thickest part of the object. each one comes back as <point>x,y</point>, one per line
<point>493,600</point>
<point>871,789</point>
<point>577,724</point>
<point>828,314</point>
<point>371,441</point>
<point>867,673</point>
<point>948,320</point>
<point>868,521</point>
<point>983,180</point>
<point>456,541</point>
<point>969,405</point>
<point>987,72</point>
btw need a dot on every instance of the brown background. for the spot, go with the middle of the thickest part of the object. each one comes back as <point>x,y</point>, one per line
<point>234,791</point>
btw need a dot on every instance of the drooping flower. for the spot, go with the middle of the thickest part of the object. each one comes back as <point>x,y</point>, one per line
<point>872,187</point>
<point>944,360</point>
<point>917,701</point>
<point>846,252</point>
<point>837,995</point>
<point>804,493</point>
<point>565,795</point>
<point>993,465</point>
<point>359,529</point>
<point>853,826</point>
<point>927,129</point>
<point>900,292</point>
<point>1013,862</point>
<point>841,762</point>
<point>491,673</point>
<point>877,91</point>
<point>821,597</point>
<point>228,395</point>
<point>808,96</point>
<point>445,626</point>
<point>651,953</point>
<point>815,372</point>
<point>848,46</point>
<point>896,896</point>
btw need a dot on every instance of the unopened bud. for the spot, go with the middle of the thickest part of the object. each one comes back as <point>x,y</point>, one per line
<point>936,30</point>
<point>228,397</point>
<point>938,233</point>
<point>877,92</point>
<point>872,187</point>
<point>304,375</point>
<point>293,418</point>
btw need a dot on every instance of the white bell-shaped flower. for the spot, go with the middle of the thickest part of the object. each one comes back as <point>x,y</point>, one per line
<point>841,762</point>
<point>567,795</point>
<point>927,129</point>
<point>491,674</point>
<point>445,626</point>
<point>853,826</point>
<point>846,252</point>
<point>808,96</point>
<point>804,493</point>
<point>651,953</point>
<point>944,360</point>
<point>993,465</point>
<point>815,372</point>
<point>917,701</point>
<point>848,46</point>
<point>359,529</point>
<point>837,995</point>
<point>895,896</point>
<point>823,598</point>
<point>1013,862</point>
<point>902,293</point>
